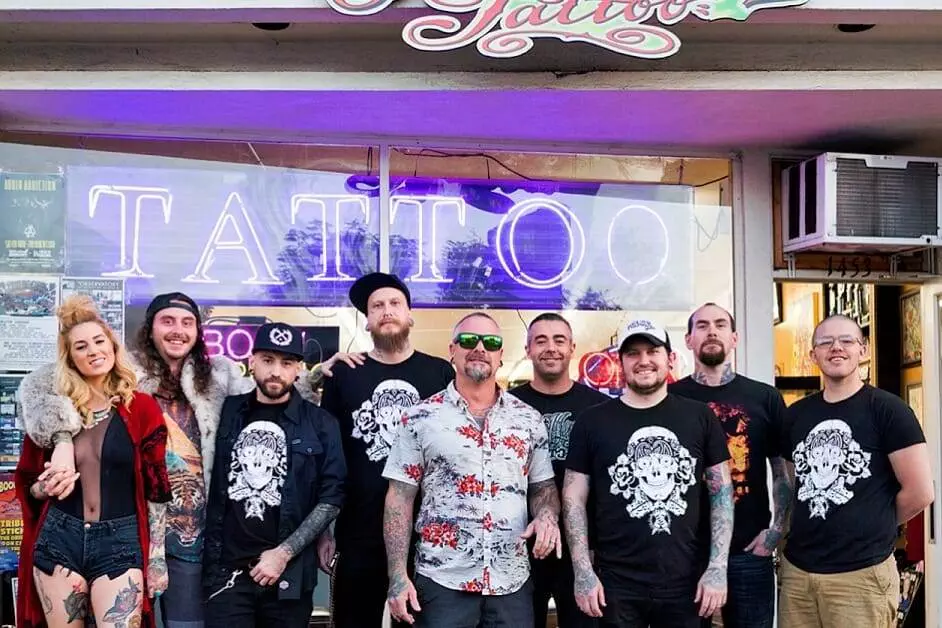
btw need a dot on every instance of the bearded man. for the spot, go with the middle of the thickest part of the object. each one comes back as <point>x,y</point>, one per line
<point>369,404</point>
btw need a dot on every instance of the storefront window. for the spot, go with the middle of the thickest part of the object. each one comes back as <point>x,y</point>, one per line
<point>603,239</point>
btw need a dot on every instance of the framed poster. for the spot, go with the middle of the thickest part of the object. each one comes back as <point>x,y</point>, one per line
<point>911,322</point>
<point>914,399</point>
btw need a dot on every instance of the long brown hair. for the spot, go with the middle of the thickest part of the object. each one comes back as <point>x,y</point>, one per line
<point>120,382</point>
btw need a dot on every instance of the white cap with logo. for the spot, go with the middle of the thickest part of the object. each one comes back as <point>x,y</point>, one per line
<point>650,331</point>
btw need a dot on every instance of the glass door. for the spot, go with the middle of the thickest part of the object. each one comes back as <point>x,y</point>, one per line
<point>932,408</point>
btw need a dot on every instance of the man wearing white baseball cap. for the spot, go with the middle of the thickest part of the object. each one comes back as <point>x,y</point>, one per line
<point>644,456</point>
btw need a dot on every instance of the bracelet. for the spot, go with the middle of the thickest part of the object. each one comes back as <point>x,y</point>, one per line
<point>62,436</point>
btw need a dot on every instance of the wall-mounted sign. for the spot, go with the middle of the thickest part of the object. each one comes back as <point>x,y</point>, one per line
<point>280,237</point>
<point>32,222</point>
<point>509,28</point>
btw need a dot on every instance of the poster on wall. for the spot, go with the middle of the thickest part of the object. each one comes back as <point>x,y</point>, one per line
<point>11,524</point>
<point>107,293</point>
<point>32,222</point>
<point>28,325</point>
<point>11,437</point>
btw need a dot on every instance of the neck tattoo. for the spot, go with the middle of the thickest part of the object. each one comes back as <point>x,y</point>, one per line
<point>701,377</point>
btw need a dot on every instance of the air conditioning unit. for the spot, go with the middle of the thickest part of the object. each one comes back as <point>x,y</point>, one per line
<point>843,203</point>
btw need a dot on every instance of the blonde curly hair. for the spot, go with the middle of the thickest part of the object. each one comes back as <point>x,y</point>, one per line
<point>120,382</point>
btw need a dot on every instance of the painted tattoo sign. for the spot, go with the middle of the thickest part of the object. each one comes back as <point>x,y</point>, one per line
<point>509,28</point>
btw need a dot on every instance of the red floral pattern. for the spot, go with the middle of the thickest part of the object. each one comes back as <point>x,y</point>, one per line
<point>474,482</point>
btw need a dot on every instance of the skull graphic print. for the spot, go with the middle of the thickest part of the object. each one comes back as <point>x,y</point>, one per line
<point>653,475</point>
<point>258,468</point>
<point>827,463</point>
<point>378,418</point>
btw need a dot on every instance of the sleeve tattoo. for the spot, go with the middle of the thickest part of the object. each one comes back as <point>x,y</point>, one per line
<point>782,489</point>
<point>720,488</point>
<point>397,531</point>
<point>544,500</point>
<point>311,528</point>
<point>576,523</point>
<point>157,525</point>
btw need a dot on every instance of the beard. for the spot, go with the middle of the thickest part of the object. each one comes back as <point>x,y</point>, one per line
<point>264,385</point>
<point>477,371</point>
<point>391,342</point>
<point>647,389</point>
<point>714,358</point>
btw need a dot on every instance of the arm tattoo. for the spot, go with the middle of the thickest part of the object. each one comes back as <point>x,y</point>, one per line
<point>157,524</point>
<point>544,500</point>
<point>577,530</point>
<point>721,518</point>
<point>781,499</point>
<point>310,528</point>
<point>397,531</point>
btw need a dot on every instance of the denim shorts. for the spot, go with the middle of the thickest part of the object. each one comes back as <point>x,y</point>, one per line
<point>91,549</point>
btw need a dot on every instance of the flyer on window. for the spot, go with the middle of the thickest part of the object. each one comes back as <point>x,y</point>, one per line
<point>32,222</point>
<point>11,437</point>
<point>28,326</point>
<point>11,524</point>
<point>108,295</point>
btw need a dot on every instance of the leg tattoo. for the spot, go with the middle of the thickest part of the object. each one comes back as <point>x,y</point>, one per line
<point>76,605</point>
<point>125,603</point>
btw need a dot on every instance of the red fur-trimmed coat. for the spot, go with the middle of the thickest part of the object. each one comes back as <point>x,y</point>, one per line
<point>148,430</point>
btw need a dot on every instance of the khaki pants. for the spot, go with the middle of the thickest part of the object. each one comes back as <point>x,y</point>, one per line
<point>866,598</point>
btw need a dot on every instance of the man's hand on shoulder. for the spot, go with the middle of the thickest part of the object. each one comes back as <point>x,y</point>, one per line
<point>352,360</point>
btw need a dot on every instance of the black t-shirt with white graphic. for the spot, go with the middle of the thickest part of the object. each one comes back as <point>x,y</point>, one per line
<point>751,414</point>
<point>646,471</point>
<point>559,414</point>
<point>844,515</point>
<point>369,402</point>
<point>257,473</point>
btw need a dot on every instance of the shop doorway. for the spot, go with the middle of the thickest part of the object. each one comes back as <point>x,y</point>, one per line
<point>900,324</point>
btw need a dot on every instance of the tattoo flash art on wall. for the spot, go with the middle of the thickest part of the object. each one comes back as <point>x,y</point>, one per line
<point>278,236</point>
<point>653,475</point>
<point>509,28</point>
<point>378,418</point>
<point>827,463</point>
<point>258,469</point>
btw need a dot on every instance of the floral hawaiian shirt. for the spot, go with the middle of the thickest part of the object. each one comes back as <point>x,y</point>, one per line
<point>474,484</point>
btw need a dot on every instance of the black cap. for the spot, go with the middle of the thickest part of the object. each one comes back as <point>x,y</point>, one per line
<point>279,338</point>
<point>366,285</point>
<point>173,299</point>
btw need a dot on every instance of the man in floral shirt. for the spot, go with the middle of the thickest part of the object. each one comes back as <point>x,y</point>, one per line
<point>478,455</point>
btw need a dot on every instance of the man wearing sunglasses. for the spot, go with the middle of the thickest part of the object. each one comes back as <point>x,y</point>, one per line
<point>369,402</point>
<point>861,467</point>
<point>560,400</point>
<point>480,458</point>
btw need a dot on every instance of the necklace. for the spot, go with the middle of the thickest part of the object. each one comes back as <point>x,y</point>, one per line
<point>97,417</point>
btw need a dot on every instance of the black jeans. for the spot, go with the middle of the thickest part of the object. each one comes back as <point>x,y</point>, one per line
<point>443,607</point>
<point>632,609</point>
<point>359,588</point>
<point>553,578</point>
<point>246,604</point>
<point>751,599</point>
<point>181,605</point>
<point>92,550</point>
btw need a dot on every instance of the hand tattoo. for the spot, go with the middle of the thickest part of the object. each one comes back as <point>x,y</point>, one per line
<point>397,584</point>
<point>310,529</point>
<point>76,605</point>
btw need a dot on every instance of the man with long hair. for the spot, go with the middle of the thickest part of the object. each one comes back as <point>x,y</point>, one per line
<point>171,363</point>
<point>98,550</point>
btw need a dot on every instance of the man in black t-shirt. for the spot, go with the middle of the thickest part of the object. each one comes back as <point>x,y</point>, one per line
<point>277,484</point>
<point>861,468</point>
<point>369,402</point>
<point>645,456</point>
<point>751,415</point>
<point>560,400</point>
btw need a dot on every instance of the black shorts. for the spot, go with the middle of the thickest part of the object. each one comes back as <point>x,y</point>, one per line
<point>92,550</point>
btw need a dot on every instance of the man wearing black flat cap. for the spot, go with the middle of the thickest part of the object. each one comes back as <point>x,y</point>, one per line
<point>277,485</point>
<point>369,404</point>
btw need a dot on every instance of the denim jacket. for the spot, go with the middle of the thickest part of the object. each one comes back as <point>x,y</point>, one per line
<point>316,473</point>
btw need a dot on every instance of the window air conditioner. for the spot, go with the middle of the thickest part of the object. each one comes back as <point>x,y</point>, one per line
<point>840,202</point>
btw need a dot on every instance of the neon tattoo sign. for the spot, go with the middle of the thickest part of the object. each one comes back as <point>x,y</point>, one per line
<point>235,230</point>
<point>509,28</point>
